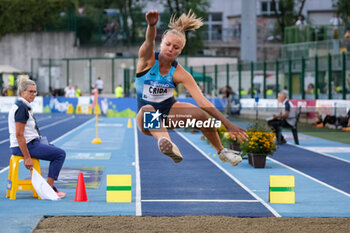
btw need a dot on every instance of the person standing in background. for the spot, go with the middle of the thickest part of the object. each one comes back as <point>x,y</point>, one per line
<point>99,85</point>
<point>69,91</point>
<point>11,84</point>
<point>77,91</point>
<point>227,93</point>
<point>336,21</point>
<point>119,91</point>
<point>300,22</point>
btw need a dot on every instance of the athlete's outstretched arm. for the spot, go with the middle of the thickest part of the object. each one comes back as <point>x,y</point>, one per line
<point>146,51</point>
<point>182,76</point>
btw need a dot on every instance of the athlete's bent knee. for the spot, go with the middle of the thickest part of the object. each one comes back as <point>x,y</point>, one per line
<point>147,108</point>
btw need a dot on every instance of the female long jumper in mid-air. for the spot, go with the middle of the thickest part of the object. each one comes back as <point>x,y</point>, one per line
<point>158,74</point>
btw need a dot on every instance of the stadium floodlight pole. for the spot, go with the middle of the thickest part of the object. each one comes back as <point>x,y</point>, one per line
<point>248,35</point>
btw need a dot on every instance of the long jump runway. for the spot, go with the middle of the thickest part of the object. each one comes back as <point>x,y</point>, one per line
<point>194,186</point>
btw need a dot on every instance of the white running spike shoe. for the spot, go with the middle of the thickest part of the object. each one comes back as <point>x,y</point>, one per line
<point>232,156</point>
<point>169,149</point>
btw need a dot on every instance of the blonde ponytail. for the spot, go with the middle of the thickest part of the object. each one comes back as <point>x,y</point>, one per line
<point>185,22</point>
<point>23,82</point>
<point>182,24</point>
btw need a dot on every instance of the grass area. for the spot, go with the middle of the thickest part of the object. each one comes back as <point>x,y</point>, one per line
<point>330,134</point>
<point>336,135</point>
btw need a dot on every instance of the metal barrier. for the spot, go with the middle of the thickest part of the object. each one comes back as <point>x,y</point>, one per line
<point>318,77</point>
<point>320,48</point>
<point>307,33</point>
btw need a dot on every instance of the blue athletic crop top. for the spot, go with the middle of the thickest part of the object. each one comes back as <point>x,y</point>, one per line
<point>152,87</point>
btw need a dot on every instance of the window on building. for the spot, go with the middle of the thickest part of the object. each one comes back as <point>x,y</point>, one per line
<point>216,17</point>
<point>214,24</point>
<point>264,7</point>
<point>273,6</point>
<point>267,7</point>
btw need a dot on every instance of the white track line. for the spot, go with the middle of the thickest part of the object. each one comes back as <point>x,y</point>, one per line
<point>137,171</point>
<point>6,168</point>
<point>274,212</point>
<point>310,177</point>
<point>73,130</point>
<point>46,126</point>
<point>199,200</point>
<point>42,119</point>
<point>3,129</point>
<point>3,141</point>
<point>57,122</point>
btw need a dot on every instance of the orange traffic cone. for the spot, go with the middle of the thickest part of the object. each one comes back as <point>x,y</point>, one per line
<point>80,192</point>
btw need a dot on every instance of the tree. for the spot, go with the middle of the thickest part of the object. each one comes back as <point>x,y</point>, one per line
<point>129,10</point>
<point>287,13</point>
<point>343,7</point>
<point>177,7</point>
<point>34,15</point>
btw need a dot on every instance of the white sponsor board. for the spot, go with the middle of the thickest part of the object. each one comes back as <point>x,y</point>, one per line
<point>265,106</point>
<point>333,107</point>
<point>6,103</point>
<point>84,102</point>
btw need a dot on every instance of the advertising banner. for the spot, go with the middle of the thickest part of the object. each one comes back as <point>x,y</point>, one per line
<point>6,103</point>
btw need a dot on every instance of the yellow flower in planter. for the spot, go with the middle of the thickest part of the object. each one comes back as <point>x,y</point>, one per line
<point>226,140</point>
<point>227,136</point>
<point>261,140</point>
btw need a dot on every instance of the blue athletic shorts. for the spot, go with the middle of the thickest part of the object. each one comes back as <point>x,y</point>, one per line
<point>163,107</point>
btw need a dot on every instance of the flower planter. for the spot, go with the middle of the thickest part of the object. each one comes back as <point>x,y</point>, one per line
<point>250,159</point>
<point>235,146</point>
<point>257,160</point>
